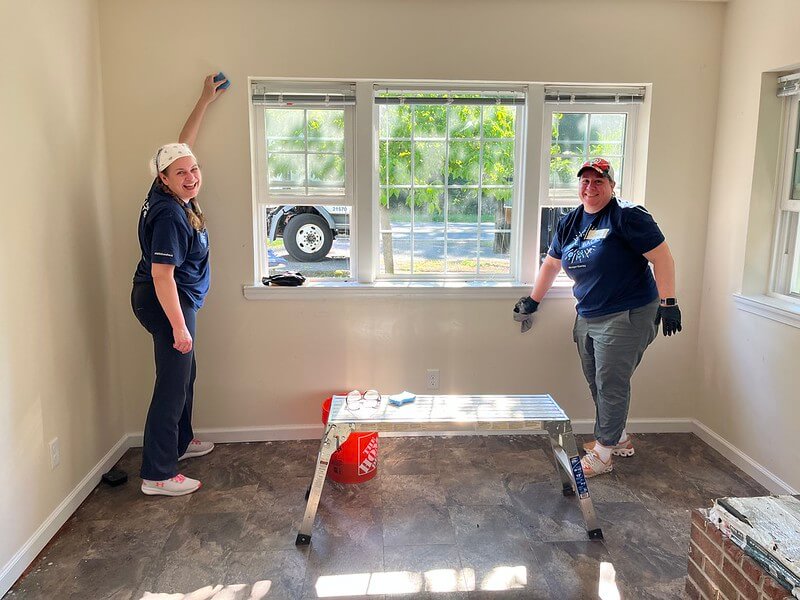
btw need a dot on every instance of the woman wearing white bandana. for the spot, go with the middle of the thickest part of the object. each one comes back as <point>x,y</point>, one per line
<point>169,287</point>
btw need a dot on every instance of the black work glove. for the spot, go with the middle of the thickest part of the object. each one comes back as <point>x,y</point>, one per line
<point>526,305</point>
<point>523,310</point>
<point>670,318</point>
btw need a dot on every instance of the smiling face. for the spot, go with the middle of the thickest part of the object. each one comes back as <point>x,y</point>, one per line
<point>183,178</point>
<point>594,190</point>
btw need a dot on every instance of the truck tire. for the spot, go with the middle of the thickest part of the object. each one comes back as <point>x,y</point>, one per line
<point>307,237</point>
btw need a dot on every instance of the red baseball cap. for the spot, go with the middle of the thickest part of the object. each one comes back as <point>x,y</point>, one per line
<point>600,165</point>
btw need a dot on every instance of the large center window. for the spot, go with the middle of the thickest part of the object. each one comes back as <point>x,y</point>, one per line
<point>448,170</point>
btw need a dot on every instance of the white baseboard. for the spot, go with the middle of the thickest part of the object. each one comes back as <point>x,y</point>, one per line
<point>656,426</point>
<point>20,561</point>
<point>246,434</point>
<point>765,477</point>
<point>12,570</point>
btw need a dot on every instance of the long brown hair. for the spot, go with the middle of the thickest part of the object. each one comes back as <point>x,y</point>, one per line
<point>193,211</point>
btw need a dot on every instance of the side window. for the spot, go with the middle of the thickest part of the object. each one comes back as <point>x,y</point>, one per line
<point>303,143</point>
<point>448,171</point>
<point>786,270</point>
<point>573,135</point>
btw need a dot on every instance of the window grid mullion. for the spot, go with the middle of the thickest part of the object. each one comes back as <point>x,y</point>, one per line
<point>446,181</point>
<point>413,187</point>
<point>480,196</point>
<point>622,165</point>
<point>586,138</point>
<point>305,142</point>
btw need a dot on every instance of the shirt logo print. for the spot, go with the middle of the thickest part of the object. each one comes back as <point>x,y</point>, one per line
<point>582,248</point>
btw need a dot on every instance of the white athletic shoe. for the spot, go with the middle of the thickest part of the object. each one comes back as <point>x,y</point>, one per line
<point>197,448</point>
<point>175,486</point>
<point>593,465</point>
<point>623,448</point>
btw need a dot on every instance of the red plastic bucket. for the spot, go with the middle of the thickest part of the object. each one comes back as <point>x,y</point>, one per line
<point>357,459</point>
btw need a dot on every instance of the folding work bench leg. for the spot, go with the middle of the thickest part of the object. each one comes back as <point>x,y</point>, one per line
<point>331,440</point>
<point>568,465</point>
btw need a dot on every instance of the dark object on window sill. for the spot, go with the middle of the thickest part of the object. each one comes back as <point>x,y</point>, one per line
<point>289,278</point>
<point>115,477</point>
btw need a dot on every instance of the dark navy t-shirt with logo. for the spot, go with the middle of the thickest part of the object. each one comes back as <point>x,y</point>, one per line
<point>602,254</point>
<point>167,237</point>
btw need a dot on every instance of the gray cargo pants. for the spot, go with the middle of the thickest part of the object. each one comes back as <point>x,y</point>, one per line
<point>611,348</point>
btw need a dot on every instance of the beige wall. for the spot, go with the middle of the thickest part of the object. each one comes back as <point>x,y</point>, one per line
<point>749,364</point>
<point>73,362</point>
<point>55,367</point>
<point>265,364</point>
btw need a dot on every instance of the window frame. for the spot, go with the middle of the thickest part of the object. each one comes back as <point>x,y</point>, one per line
<point>786,247</point>
<point>262,195</point>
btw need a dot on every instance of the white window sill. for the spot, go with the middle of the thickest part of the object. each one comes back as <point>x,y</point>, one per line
<point>431,290</point>
<point>777,309</point>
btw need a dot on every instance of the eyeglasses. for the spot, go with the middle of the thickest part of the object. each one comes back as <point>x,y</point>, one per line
<point>369,399</point>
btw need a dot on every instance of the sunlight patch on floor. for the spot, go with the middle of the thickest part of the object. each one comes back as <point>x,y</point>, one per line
<point>259,591</point>
<point>449,580</point>
<point>505,578</point>
<point>393,583</point>
<point>351,584</point>
<point>412,582</point>
<point>607,584</point>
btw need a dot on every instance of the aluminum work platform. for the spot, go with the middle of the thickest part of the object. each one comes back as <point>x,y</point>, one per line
<point>451,413</point>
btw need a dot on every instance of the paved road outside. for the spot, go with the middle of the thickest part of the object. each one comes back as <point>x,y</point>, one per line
<point>429,243</point>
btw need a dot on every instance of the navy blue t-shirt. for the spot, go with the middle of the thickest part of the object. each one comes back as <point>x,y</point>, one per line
<point>602,254</point>
<point>167,237</point>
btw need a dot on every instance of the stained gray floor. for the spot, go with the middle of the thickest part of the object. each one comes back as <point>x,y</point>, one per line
<point>466,517</point>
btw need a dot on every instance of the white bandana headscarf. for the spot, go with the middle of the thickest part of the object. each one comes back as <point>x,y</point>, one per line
<point>166,155</point>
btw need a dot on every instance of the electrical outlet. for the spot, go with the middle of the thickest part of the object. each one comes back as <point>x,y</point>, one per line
<point>55,453</point>
<point>433,379</point>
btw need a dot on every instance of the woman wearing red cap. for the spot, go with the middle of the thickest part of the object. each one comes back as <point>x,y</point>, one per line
<point>169,287</point>
<point>606,246</point>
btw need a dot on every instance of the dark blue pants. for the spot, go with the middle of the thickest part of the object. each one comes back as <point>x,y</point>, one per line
<point>168,429</point>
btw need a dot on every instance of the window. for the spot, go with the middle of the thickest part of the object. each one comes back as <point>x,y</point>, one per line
<point>395,182</point>
<point>448,165</point>
<point>786,271</point>
<point>576,130</point>
<point>303,138</point>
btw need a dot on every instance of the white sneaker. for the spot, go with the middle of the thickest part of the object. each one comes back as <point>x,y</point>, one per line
<point>622,448</point>
<point>197,448</point>
<point>175,486</point>
<point>593,465</point>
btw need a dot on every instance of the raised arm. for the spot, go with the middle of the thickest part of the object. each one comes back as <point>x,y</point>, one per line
<point>211,91</point>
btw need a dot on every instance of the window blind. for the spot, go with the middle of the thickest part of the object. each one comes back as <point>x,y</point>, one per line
<point>475,97</point>
<point>789,85</point>
<point>593,95</point>
<point>302,94</point>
